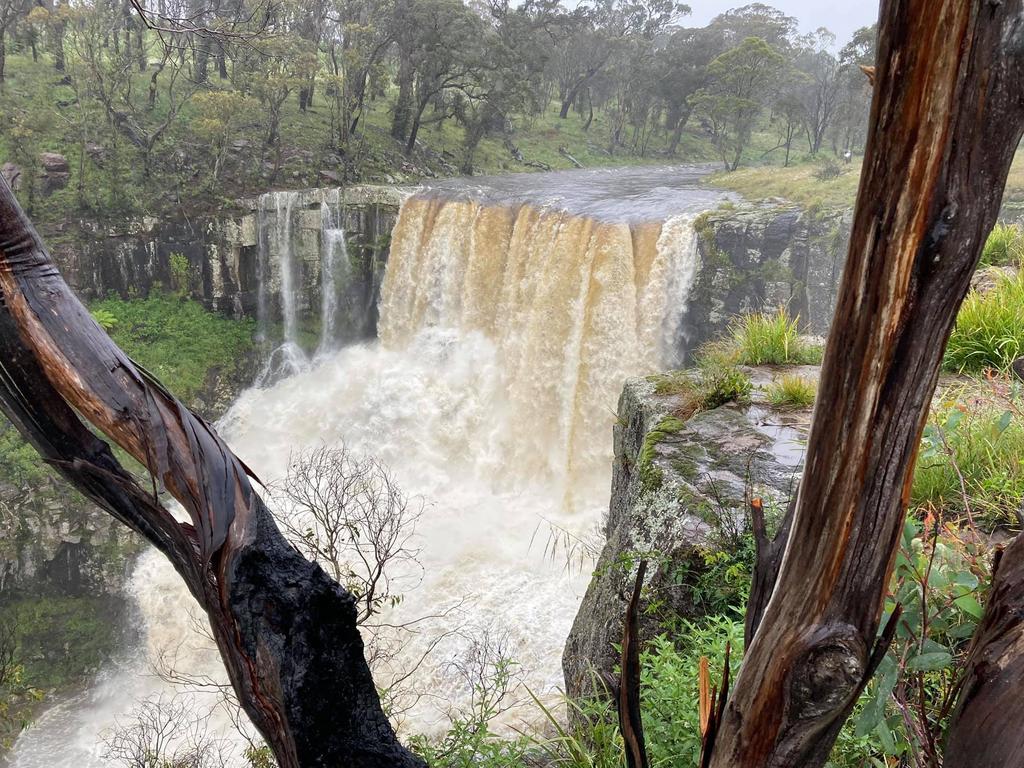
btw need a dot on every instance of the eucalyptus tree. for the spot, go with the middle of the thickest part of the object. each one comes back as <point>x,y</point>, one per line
<point>740,86</point>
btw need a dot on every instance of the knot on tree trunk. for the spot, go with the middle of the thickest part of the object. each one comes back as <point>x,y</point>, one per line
<point>827,675</point>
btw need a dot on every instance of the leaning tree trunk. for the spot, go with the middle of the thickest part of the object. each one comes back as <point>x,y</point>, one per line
<point>286,631</point>
<point>946,119</point>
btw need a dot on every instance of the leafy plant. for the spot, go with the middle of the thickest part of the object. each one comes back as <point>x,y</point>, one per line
<point>989,331</point>
<point>106,319</point>
<point>938,576</point>
<point>792,392</point>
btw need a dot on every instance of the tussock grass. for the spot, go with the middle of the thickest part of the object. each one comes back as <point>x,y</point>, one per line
<point>972,462</point>
<point>1004,247</point>
<point>770,338</point>
<point>989,330</point>
<point>792,392</point>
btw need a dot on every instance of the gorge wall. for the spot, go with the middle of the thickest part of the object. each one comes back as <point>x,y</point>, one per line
<point>231,263</point>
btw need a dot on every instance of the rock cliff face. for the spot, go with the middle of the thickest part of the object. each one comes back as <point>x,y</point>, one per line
<point>757,257</point>
<point>216,260</point>
<point>677,484</point>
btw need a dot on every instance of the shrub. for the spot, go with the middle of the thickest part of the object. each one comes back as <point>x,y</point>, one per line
<point>989,331</point>
<point>1004,247</point>
<point>829,168</point>
<point>769,338</point>
<point>792,392</point>
<point>106,319</point>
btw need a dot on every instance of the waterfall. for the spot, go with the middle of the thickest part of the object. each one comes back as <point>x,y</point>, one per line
<point>506,330</point>
<point>573,304</point>
<point>334,265</point>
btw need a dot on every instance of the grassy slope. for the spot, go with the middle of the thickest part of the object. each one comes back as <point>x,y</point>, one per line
<point>800,184</point>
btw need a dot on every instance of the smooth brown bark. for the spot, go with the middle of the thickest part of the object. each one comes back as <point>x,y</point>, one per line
<point>946,120</point>
<point>286,632</point>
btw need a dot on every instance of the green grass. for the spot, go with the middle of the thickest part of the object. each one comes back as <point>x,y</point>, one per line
<point>792,392</point>
<point>989,331</point>
<point>1004,247</point>
<point>799,184</point>
<point>766,338</point>
<point>179,341</point>
<point>971,462</point>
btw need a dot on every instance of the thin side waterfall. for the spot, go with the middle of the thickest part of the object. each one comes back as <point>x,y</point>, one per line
<point>334,270</point>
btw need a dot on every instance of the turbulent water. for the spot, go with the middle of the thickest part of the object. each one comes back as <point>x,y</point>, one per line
<point>512,310</point>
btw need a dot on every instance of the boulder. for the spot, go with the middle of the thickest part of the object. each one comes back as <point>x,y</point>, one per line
<point>677,485</point>
<point>12,175</point>
<point>985,279</point>
<point>56,172</point>
<point>54,162</point>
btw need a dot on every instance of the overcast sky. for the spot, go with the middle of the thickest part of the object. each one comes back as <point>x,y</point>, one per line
<point>843,17</point>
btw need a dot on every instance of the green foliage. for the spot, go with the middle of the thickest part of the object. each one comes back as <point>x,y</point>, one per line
<point>1004,247</point>
<point>970,463</point>
<point>721,383</point>
<point>178,341</point>
<point>792,392</point>
<point>62,639</point>
<point>179,273</point>
<point>669,669</point>
<point>106,319</point>
<point>938,579</point>
<point>734,98</point>
<point>769,338</point>
<point>989,331</point>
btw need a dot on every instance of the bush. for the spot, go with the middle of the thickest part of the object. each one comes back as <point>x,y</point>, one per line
<point>770,338</point>
<point>792,392</point>
<point>1004,247</point>
<point>989,331</point>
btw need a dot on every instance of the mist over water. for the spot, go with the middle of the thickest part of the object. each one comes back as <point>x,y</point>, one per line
<point>507,328</point>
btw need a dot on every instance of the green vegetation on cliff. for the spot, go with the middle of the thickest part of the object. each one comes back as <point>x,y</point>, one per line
<point>185,346</point>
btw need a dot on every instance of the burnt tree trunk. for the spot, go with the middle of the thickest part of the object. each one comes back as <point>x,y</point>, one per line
<point>286,632</point>
<point>946,119</point>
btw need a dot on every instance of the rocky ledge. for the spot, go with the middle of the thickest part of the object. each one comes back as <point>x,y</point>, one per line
<point>676,484</point>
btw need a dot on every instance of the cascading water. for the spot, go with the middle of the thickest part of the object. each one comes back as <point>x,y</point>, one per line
<point>334,268</point>
<point>511,313</point>
<point>277,266</point>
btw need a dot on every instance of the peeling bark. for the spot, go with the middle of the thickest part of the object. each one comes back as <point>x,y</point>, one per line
<point>946,119</point>
<point>286,632</point>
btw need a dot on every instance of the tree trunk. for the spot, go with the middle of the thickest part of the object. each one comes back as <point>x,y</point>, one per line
<point>3,55</point>
<point>286,632</point>
<point>946,119</point>
<point>410,145</point>
<point>986,729</point>
<point>403,106</point>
